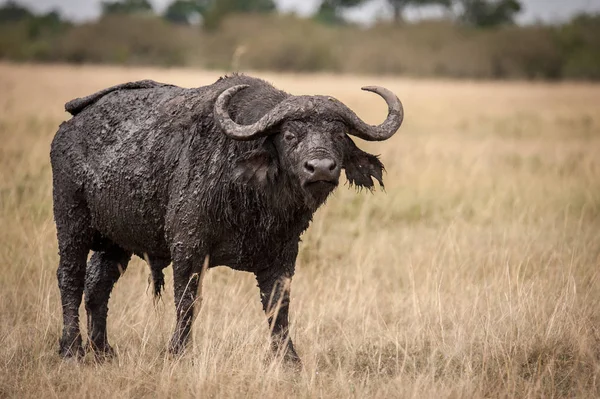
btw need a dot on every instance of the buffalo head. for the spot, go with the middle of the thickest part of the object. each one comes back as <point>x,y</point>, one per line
<point>309,140</point>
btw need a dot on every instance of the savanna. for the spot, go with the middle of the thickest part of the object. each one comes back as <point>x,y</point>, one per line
<point>475,273</point>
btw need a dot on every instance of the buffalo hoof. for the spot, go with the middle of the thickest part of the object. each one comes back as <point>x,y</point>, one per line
<point>176,349</point>
<point>292,362</point>
<point>71,348</point>
<point>288,354</point>
<point>101,352</point>
<point>292,357</point>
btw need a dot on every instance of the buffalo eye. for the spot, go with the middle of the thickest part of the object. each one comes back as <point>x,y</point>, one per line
<point>289,136</point>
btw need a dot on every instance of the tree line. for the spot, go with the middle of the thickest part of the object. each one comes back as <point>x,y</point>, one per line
<point>479,13</point>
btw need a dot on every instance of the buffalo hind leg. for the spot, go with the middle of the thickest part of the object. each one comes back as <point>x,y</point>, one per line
<point>74,240</point>
<point>103,270</point>
<point>275,298</point>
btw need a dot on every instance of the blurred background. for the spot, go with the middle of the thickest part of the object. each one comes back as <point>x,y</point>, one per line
<point>482,39</point>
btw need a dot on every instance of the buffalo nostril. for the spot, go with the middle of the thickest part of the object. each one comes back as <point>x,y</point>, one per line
<point>309,166</point>
<point>332,165</point>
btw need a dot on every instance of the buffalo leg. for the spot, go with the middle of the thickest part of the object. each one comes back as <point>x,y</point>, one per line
<point>74,240</point>
<point>275,298</point>
<point>103,271</point>
<point>185,282</point>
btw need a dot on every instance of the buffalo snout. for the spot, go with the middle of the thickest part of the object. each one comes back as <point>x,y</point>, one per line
<point>321,170</point>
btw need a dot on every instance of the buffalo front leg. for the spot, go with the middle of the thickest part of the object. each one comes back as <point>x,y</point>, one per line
<point>187,278</point>
<point>103,270</point>
<point>275,298</point>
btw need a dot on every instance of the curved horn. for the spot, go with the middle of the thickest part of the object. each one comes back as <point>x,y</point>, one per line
<point>299,106</point>
<point>258,129</point>
<point>381,132</point>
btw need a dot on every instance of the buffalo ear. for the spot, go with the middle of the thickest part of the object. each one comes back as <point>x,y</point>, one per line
<point>360,167</point>
<point>257,166</point>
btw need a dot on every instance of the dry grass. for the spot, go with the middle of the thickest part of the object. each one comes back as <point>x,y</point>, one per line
<point>475,275</point>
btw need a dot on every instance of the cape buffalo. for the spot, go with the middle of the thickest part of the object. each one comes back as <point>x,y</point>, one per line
<point>226,174</point>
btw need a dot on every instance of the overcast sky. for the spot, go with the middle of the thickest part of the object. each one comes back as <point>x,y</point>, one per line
<point>534,10</point>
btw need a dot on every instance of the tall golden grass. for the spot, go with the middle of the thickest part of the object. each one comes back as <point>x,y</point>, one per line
<point>475,274</point>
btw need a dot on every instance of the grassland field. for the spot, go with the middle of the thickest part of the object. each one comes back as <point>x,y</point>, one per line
<point>476,273</point>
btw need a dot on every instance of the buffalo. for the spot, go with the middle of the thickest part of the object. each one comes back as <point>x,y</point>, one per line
<point>225,174</point>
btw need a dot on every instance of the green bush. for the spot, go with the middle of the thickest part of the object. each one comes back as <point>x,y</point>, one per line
<point>27,37</point>
<point>280,43</point>
<point>580,42</point>
<point>123,39</point>
<point>525,52</point>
